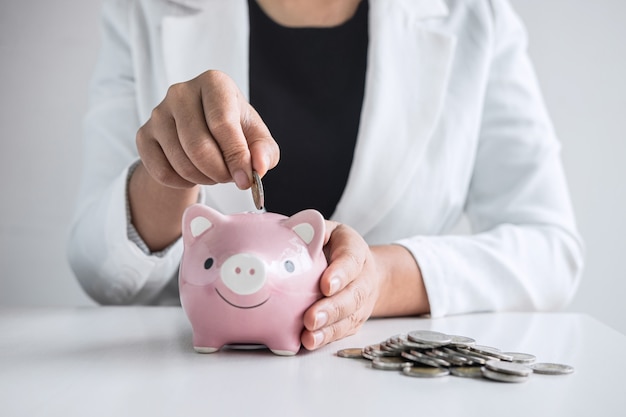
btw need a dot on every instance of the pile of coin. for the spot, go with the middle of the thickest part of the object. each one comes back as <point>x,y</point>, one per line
<point>426,353</point>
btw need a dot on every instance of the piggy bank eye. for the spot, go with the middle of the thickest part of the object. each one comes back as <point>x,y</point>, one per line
<point>208,263</point>
<point>289,266</point>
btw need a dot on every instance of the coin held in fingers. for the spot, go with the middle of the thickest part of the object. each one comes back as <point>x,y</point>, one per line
<point>257,191</point>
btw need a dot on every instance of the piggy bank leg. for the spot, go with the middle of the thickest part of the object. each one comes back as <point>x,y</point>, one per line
<point>204,349</point>
<point>283,352</point>
<point>285,347</point>
<point>205,345</point>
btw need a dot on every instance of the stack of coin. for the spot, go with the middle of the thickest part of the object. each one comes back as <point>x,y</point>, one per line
<point>426,353</point>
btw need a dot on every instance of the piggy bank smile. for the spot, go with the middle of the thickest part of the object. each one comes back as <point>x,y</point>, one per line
<point>241,306</point>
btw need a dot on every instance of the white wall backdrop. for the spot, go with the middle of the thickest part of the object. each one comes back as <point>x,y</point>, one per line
<point>47,52</point>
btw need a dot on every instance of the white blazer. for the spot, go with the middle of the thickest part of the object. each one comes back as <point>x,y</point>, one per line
<point>452,123</point>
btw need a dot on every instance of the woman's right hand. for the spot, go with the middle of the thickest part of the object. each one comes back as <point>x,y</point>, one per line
<point>205,132</point>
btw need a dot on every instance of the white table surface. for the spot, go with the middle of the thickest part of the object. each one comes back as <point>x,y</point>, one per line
<point>138,361</point>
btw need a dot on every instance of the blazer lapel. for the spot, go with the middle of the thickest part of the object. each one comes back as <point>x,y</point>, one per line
<point>408,67</point>
<point>207,35</point>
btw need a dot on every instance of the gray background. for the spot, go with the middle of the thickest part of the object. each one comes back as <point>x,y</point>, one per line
<point>47,53</point>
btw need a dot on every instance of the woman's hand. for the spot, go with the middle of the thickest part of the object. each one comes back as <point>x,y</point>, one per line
<point>205,132</point>
<point>361,281</point>
<point>351,284</point>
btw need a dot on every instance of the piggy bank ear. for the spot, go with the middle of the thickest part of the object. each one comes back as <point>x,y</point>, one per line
<point>310,226</point>
<point>197,220</point>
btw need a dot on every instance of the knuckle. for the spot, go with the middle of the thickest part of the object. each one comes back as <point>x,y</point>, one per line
<point>213,76</point>
<point>177,91</point>
<point>142,138</point>
<point>355,257</point>
<point>188,172</point>
<point>207,159</point>
<point>356,321</point>
<point>360,295</point>
<point>158,113</point>
<point>235,154</point>
<point>334,332</point>
<point>223,123</point>
<point>338,311</point>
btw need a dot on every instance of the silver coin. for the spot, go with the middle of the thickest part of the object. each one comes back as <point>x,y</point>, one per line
<point>510,368</point>
<point>257,191</point>
<point>420,372</point>
<point>459,359</point>
<point>350,353</point>
<point>462,341</point>
<point>408,344</point>
<point>521,357</point>
<point>390,364</point>
<point>396,339</point>
<point>551,368</point>
<point>491,351</point>
<point>429,337</point>
<point>387,353</point>
<point>409,356</point>
<point>498,376</point>
<point>377,353</point>
<point>467,371</point>
<point>448,357</point>
<point>427,360</point>
<point>391,347</point>
<point>474,357</point>
<point>366,355</point>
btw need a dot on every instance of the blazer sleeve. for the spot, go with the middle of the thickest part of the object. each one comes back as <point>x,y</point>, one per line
<point>524,252</point>
<point>109,266</point>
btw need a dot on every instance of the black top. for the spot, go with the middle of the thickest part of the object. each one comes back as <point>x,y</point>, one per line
<point>307,84</point>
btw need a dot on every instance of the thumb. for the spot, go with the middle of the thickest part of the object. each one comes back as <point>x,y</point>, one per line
<point>264,150</point>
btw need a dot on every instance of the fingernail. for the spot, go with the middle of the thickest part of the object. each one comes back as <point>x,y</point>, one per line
<point>241,179</point>
<point>335,283</point>
<point>318,338</point>
<point>321,318</point>
<point>266,161</point>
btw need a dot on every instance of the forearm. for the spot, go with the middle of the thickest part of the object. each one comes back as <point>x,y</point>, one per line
<point>402,291</point>
<point>157,210</point>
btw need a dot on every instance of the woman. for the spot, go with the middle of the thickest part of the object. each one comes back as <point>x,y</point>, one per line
<point>393,118</point>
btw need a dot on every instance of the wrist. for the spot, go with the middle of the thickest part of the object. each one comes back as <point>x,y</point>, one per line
<point>155,209</point>
<point>402,290</point>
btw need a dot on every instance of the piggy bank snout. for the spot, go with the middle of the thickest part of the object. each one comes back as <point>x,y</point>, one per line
<point>243,274</point>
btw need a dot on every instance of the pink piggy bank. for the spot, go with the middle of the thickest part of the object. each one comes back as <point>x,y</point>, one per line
<point>249,277</point>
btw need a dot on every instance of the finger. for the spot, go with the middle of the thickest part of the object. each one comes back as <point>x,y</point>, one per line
<point>222,104</point>
<point>164,127</point>
<point>157,164</point>
<point>329,229</point>
<point>331,310</point>
<point>350,325</point>
<point>347,253</point>
<point>264,150</point>
<point>183,165</point>
<point>195,151</point>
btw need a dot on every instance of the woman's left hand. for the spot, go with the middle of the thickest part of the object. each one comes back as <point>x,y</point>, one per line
<point>351,285</point>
